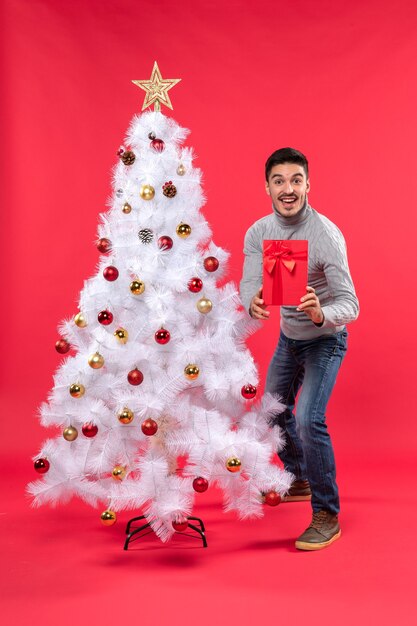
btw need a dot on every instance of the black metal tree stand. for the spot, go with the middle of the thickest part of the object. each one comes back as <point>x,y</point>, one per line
<point>137,533</point>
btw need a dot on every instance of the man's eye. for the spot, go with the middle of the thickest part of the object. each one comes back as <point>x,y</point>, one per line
<point>278,182</point>
<point>298,181</point>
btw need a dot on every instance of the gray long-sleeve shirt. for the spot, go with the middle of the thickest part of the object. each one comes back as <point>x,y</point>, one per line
<point>328,270</point>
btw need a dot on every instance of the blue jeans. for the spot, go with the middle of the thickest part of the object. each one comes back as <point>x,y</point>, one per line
<point>308,453</point>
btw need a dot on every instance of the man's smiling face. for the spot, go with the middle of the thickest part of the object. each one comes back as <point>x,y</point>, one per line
<point>288,186</point>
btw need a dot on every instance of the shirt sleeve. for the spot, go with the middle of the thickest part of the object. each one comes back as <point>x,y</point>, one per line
<point>252,267</point>
<point>344,305</point>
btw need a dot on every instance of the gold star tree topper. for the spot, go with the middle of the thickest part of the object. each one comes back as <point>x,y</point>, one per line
<point>156,89</point>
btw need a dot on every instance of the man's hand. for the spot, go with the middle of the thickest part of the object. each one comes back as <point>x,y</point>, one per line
<point>257,307</point>
<point>311,306</point>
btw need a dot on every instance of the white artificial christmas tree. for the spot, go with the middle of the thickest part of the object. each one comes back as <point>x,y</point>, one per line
<point>160,368</point>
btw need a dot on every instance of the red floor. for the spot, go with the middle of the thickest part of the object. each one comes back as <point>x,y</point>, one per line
<point>62,567</point>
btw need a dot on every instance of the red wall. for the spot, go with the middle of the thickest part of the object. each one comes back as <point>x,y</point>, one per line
<point>336,80</point>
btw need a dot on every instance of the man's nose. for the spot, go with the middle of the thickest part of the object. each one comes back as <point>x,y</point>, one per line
<point>288,188</point>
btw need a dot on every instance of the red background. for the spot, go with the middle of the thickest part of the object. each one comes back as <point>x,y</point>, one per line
<point>335,80</point>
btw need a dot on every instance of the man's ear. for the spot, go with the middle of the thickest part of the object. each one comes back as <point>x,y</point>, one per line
<point>308,186</point>
<point>267,189</point>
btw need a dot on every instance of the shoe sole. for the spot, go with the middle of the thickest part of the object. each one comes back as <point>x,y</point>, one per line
<point>296,498</point>
<point>304,545</point>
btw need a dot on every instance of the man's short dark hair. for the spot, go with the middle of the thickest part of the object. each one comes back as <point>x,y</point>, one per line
<point>285,155</point>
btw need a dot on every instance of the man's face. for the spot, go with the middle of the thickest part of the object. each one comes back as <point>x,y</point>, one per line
<point>287,185</point>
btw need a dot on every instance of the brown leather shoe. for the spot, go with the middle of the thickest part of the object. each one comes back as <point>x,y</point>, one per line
<point>299,491</point>
<point>323,530</point>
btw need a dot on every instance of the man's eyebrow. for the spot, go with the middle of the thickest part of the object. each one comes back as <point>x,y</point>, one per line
<point>293,176</point>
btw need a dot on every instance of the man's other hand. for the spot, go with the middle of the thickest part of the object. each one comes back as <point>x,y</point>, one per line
<point>257,307</point>
<point>310,305</point>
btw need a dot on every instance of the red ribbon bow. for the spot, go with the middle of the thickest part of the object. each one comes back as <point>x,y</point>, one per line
<point>279,252</point>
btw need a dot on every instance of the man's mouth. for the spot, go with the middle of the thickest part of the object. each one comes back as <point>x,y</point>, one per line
<point>288,200</point>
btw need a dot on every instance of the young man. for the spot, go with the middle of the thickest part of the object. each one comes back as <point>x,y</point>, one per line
<point>313,337</point>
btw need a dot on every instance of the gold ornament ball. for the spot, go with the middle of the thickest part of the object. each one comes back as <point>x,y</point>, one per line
<point>77,390</point>
<point>126,208</point>
<point>70,433</point>
<point>181,170</point>
<point>183,230</point>
<point>125,415</point>
<point>147,192</point>
<point>121,335</point>
<point>233,464</point>
<point>137,287</point>
<point>191,371</point>
<point>204,305</point>
<point>108,518</point>
<point>96,361</point>
<point>80,320</point>
<point>119,472</point>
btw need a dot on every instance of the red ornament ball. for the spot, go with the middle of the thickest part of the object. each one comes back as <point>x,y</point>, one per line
<point>105,317</point>
<point>211,264</point>
<point>135,377</point>
<point>111,273</point>
<point>158,145</point>
<point>62,346</point>
<point>180,526</point>
<point>200,484</point>
<point>104,245</point>
<point>149,427</point>
<point>195,285</point>
<point>162,336</point>
<point>248,392</point>
<point>41,466</point>
<point>165,242</point>
<point>89,429</point>
<point>272,498</point>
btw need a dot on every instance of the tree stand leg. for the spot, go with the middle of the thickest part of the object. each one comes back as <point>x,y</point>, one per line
<point>135,534</point>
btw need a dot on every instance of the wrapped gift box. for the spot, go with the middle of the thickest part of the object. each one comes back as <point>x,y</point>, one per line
<point>285,264</point>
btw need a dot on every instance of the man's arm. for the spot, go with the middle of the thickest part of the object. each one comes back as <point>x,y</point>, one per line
<point>251,282</point>
<point>345,305</point>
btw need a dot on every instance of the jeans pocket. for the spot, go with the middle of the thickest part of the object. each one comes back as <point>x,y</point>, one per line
<point>340,346</point>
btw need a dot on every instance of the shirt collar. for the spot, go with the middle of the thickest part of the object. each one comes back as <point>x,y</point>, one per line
<point>299,218</point>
